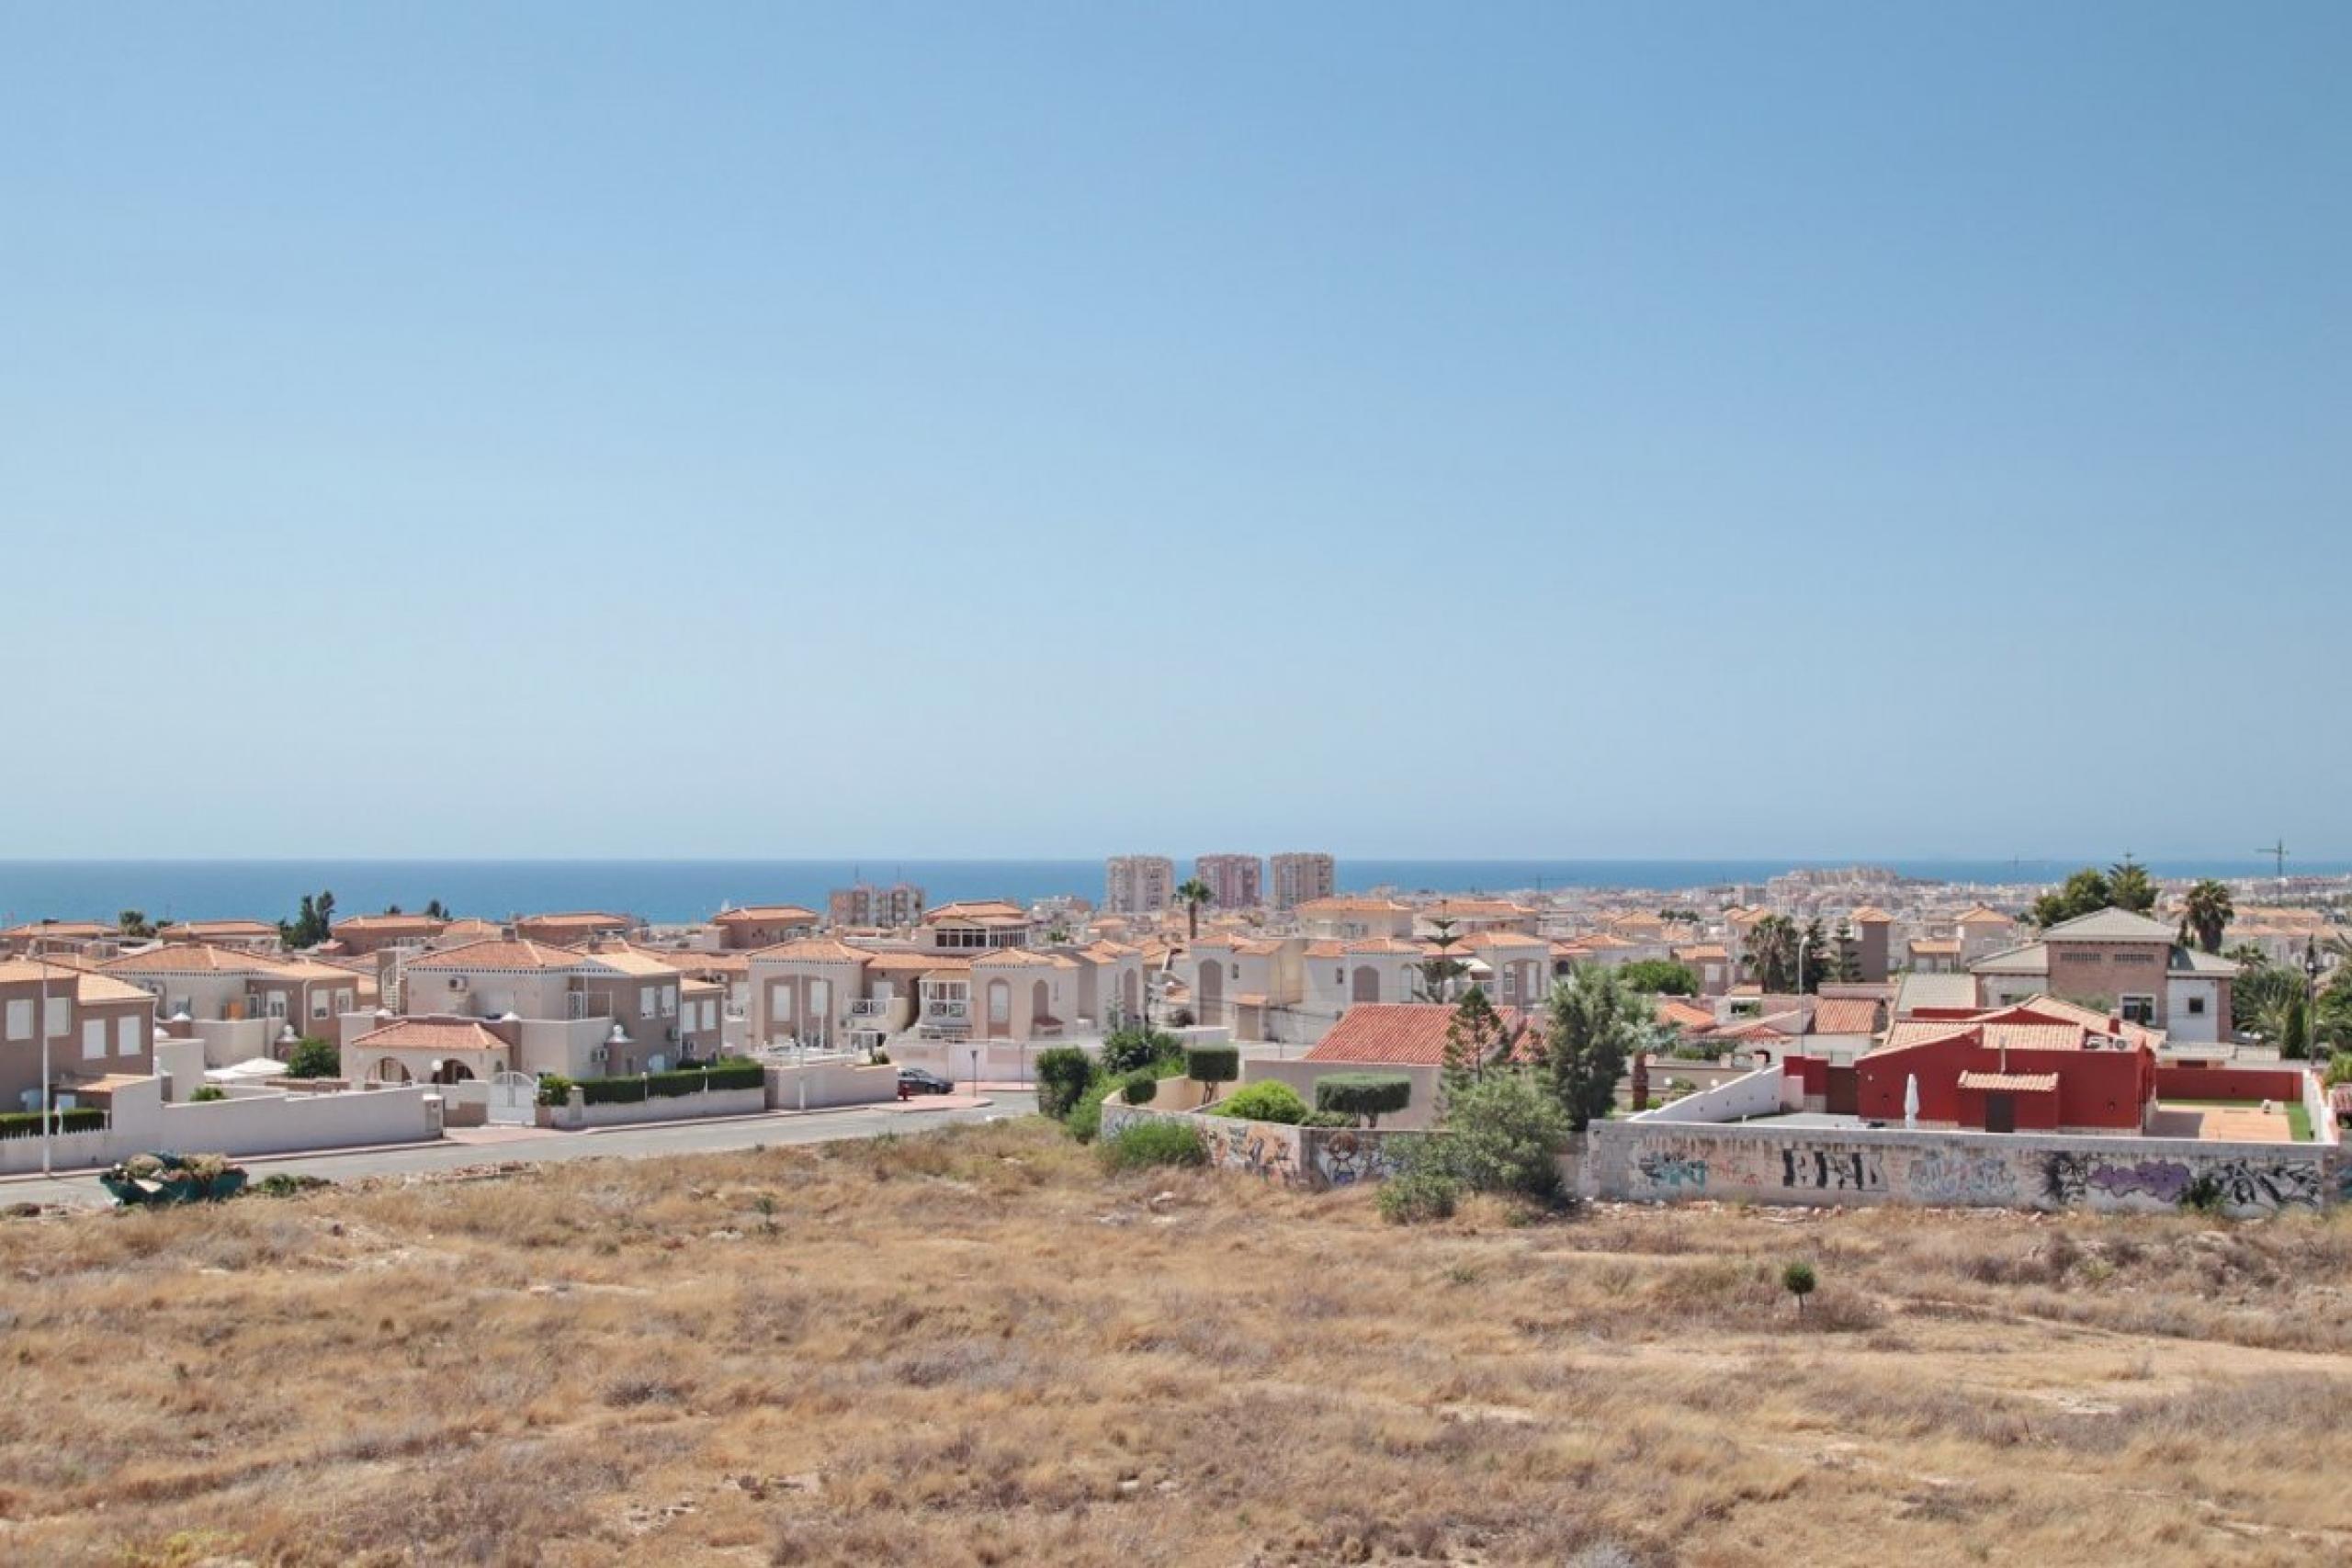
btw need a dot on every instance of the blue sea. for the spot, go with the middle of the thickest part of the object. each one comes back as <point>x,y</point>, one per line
<point>689,890</point>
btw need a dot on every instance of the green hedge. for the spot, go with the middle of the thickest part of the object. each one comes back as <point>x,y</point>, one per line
<point>637,1087</point>
<point>27,1123</point>
<point>1365,1096</point>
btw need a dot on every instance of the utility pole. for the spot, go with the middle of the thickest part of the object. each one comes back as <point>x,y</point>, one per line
<point>48,1110</point>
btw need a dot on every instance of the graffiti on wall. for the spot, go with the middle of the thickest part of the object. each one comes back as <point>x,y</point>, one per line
<point>2240,1185</point>
<point>1960,1176</point>
<point>1264,1149</point>
<point>1674,1173</point>
<point>1833,1167</point>
<point>1342,1157</point>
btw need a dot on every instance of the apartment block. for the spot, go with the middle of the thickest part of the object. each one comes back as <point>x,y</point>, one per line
<point>1298,878</point>
<point>900,904</point>
<point>1234,882</point>
<point>1138,885</point>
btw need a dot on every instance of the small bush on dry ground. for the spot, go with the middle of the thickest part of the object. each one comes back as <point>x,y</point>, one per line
<point>978,1348</point>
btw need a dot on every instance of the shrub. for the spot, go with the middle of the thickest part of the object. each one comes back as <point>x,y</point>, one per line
<point>1272,1100</point>
<point>554,1090</point>
<point>1798,1280</point>
<point>2339,1068</point>
<point>1212,1064</point>
<point>313,1059</point>
<point>2204,1194</point>
<point>1425,1187</point>
<point>1367,1097</point>
<point>1155,1143</point>
<point>611,1091</point>
<point>207,1093</point>
<point>1505,1135</point>
<point>1085,1118</point>
<point>1139,1088</point>
<point>1063,1073</point>
<point>279,1184</point>
<point>27,1123</point>
<point>1134,1048</point>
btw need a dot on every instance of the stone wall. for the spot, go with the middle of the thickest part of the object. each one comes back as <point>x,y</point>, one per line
<point>1644,1159</point>
<point>1312,1157</point>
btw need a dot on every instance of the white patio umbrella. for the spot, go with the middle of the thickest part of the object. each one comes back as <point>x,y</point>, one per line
<point>1911,1100</point>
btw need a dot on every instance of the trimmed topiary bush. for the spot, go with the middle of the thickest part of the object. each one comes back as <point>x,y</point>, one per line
<point>1139,1088</point>
<point>554,1090</point>
<point>1366,1097</point>
<point>1212,1064</point>
<point>1063,1073</point>
<point>207,1093</point>
<point>1272,1100</point>
<point>1155,1143</point>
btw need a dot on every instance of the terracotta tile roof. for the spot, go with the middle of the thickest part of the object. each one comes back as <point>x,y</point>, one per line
<point>1846,1015</point>
<point>190,958</point>
<point>510,954</point>
<point>628,959</point>
<point>2011,1083</point>
<point>1315,908</point>
<point>1702,952</point>
<point>581,920</point>
<point>1978,915</point>
<point>86,985</point>
<point>201,930</point>
<point>430,1034</point>
<point>917,961</point>
<point>388,923</point>
<point>814,949</point>
<point>1778,1026</point>
<point>1679,1014</point>
<point>1472,910</point>
<point>1515,940</point>
<point>979,911</point>
<point>1404,1034</point>
<point>1370,946</point>
<point>1936,947</point>
<point>1020,958</point>
<point>765,913</point>
<point>73,930</point>
<point>472,926</point>
<point>1871,913</point>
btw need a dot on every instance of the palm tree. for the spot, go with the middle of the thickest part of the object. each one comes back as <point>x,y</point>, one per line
<point>1772,954</point>
<point>2208,913</point>
<point>1195,893</point>
<point>134,922</point>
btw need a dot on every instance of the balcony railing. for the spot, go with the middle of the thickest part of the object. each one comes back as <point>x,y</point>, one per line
<point>868,1007</point>
<point>956,1010</point>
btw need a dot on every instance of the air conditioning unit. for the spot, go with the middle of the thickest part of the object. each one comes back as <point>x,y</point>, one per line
<point>457,982</point>
<point>599,1054</point>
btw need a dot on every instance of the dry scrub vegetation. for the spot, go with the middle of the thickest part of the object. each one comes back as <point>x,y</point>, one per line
<point>973,1347</point>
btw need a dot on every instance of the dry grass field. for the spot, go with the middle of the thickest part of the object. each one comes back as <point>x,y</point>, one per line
<point>974,1347</point>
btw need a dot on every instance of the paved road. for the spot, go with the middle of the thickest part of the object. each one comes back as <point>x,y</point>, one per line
<point>486,1146</point>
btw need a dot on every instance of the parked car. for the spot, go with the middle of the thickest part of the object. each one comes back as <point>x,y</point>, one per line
<point>917,1081</point>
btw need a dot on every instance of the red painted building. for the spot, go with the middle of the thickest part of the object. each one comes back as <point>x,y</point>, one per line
<point>2022,1068</point>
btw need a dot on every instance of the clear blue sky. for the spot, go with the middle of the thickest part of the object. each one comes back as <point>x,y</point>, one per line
<point>1021,429</point>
